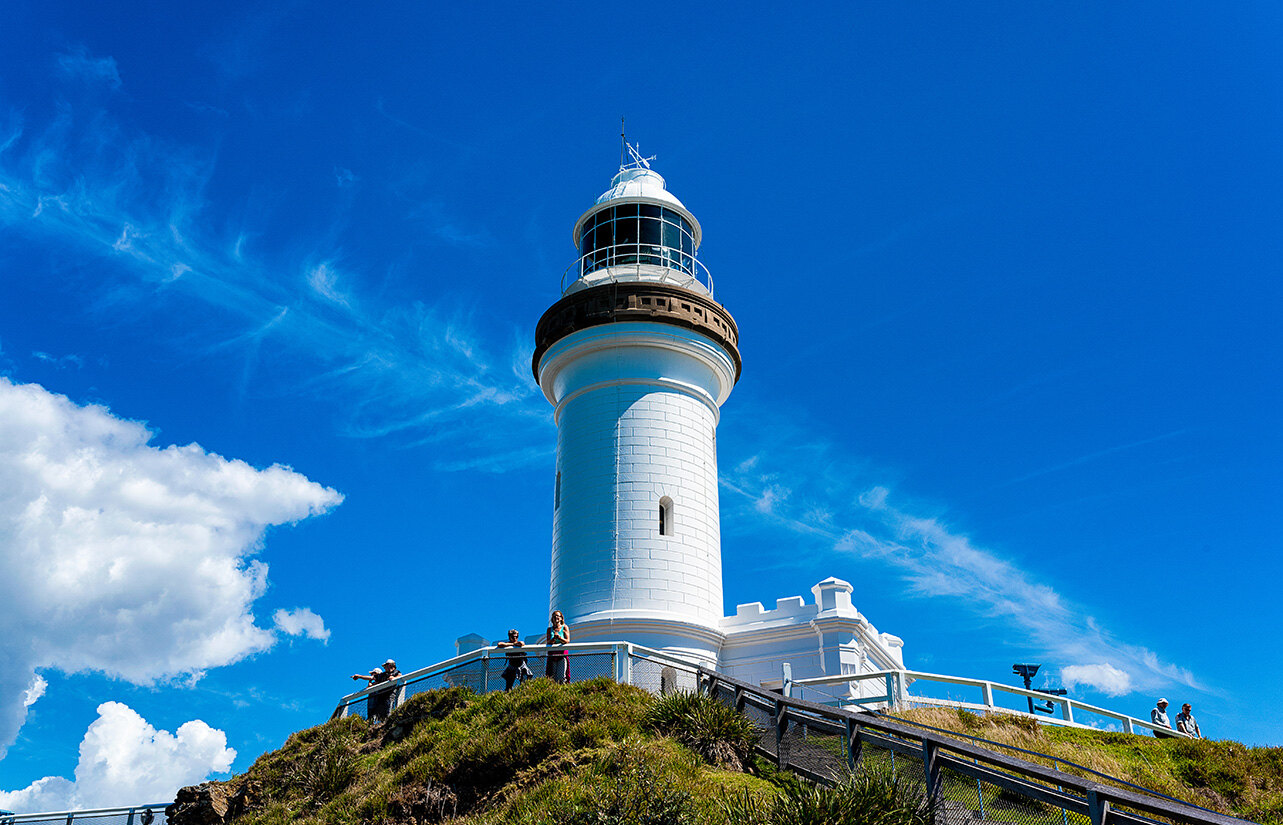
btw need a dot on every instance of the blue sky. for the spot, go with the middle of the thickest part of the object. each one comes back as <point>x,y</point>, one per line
<point>1007,280</point>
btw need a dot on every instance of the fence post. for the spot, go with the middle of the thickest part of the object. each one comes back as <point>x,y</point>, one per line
<point>1097,808</point>
<point>130,819</point>
<point>781,720</point>
<point>892,699</point>
<point>1066,710</point>
<point>788,679</point>
<point>931,770</point>
<point>739,699</point>
<point>853,744</point>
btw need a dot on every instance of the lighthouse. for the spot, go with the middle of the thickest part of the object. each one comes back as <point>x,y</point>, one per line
<point>637,359</point>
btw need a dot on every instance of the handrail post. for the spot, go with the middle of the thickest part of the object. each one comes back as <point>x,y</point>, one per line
<point>986,693</point>
<point>788,679</point>
<point>739,699</point>
<point>1066,710</point>
<point>853,744</point>
<point>931,771</point>
<point>781,721</point>
<point>1097,808</point>
<point>892,699</point>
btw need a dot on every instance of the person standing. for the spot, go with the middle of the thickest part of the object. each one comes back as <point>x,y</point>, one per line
<point>517,670</point>
<point>1185,722</point>
<point>1159,717</point>
<point>379,704</point>
<point>558,667</point>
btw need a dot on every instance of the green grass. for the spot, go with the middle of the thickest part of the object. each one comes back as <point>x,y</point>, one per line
<point>579,753</point>
<point>1221,775</point>
<point>599,753</point>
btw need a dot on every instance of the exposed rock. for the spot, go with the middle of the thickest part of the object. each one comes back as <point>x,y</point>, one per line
<point>422,804</point>
<point>205,804</point>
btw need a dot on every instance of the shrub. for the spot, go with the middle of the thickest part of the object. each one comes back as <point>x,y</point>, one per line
<point>869,799</point>
<point>632,793</point>
<point>719,734</point>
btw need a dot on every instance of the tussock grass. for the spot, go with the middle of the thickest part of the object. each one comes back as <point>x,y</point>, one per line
<point>719,734</point>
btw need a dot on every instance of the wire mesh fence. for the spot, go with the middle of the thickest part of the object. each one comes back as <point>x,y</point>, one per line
<point>966,781</point>
<point>137,815</point>
<point>484,674</point>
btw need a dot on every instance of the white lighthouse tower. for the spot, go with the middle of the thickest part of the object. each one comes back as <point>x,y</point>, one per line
<point>636,359</point>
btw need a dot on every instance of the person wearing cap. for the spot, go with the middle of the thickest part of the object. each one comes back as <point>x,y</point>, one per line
<point>1159,717</point>
<point>1186,724</point>
<point>379,704</point>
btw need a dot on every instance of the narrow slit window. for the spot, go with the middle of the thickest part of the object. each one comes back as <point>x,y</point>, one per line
<point>665,516</point>
<point>556,495</point>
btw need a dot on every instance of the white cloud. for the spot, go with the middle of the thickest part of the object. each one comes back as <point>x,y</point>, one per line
<point>124,761</point>
<point>831,501</point>
<point>79,64</point>
<point>410,370</point>
<point>124,558</point>
<point>1104,677</point>
<point>37,689</point>
<point>301,622</point>
<point>324,281</point>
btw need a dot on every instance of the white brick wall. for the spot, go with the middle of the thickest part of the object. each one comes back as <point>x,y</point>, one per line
<point>636,421</point>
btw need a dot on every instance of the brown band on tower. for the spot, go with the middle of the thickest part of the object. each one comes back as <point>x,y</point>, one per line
<point>617,302</point>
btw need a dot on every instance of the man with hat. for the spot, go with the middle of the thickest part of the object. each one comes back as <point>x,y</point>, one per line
<point>379,704</point>
<point>1159,717</point>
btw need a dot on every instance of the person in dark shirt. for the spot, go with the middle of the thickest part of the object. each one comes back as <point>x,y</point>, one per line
<point>379,704</point>
<point>517,670</point>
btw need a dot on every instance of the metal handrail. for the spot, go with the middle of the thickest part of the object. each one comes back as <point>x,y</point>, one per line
<point>937,752</point>
<point>589,264</point>
<point>624,651</point>
<point>1067,705</point>
<point>133,814</point>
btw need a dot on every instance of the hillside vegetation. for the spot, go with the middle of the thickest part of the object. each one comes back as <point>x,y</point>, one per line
<point>590,753</point>
<point>1224,776</point>
<point>599,753</point>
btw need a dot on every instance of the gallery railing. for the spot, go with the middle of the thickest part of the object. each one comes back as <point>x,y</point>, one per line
<point>638,262</point>
<point>966,779</point>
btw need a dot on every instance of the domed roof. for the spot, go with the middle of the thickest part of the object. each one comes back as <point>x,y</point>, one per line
<point>639,183</point>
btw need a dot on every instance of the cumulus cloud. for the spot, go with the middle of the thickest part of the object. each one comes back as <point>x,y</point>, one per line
<point>123,558</point>
<point>301,622</point>
<point>124,760</point>
<point>1103,677</point>
<point>37,689</point>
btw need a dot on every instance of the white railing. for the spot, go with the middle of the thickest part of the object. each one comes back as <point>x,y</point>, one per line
<point>136,815</point>
<point>897,694</point>
<point>482,669</point>
<point>637,262</point>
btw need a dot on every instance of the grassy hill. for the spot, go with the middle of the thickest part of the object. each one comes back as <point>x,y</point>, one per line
<point>1224,776</point>
<point>595,753</point>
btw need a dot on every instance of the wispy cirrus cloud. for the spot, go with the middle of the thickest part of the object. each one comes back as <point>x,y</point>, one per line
<point>835,503</point>
<point>83,183</point>
<point>78,64</point>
